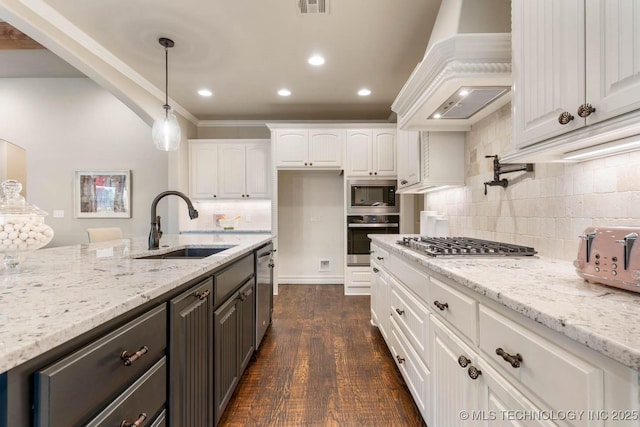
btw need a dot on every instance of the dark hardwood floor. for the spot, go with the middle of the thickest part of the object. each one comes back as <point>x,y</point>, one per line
<point>321,364</point>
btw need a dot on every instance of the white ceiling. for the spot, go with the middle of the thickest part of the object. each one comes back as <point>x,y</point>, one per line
<point>245,50</point>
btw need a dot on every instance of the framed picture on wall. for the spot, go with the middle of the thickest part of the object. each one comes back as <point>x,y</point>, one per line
<point>102,194</point>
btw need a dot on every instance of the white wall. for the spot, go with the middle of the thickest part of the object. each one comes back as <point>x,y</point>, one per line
<point>310,227</point>
<point>73,124</point>
<point>546,209</point>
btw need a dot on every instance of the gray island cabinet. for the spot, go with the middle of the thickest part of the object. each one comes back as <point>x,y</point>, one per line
<point>166,361</point>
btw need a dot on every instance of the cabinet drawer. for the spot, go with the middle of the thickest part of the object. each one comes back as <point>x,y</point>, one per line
<point>412,317</point>
<point>379,255</point>
<point>460,310</point>
<point>415,373</point>
<point>411,277</point>
<point>146,396</point>
<point>229,279</point>
<point>543,363</point>
<point>96,373</point>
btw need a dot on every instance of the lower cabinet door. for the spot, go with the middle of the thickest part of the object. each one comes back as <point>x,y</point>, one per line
<point>144,400</point>
<point>191,361</point>
<point>226,360</point>
<point>247,337</point>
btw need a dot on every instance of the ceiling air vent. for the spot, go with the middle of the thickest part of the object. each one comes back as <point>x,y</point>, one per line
<point>313,6</point>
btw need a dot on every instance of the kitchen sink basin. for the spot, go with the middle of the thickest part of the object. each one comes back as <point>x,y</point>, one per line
<point>187,253</point>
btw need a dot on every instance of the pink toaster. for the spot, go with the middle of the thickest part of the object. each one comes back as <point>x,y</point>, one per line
<point>610,256</point>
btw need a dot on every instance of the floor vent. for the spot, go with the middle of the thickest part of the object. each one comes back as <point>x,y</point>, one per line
<point>313,6</point>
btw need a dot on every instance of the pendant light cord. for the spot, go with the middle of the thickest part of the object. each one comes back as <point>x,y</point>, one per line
<point>166,81</point>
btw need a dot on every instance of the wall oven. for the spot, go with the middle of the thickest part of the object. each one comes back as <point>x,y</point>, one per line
<point>372,196</point>
<point>359,226</point>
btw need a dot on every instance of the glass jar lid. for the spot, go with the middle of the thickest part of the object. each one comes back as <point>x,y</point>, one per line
<point>12,203</point>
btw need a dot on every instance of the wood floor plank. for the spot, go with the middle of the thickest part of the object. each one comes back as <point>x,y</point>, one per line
<point>321,364</point>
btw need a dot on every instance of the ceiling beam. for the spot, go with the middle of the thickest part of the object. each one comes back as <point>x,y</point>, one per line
<point>13,39</point>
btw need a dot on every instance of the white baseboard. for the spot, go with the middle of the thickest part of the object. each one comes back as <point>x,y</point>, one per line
<point>311,280</point>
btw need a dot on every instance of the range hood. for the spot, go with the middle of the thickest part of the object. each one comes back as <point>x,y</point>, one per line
<point>465,74</point>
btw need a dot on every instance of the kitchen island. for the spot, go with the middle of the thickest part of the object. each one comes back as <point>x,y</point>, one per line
<point>500,334</point>
<point>63,298</point>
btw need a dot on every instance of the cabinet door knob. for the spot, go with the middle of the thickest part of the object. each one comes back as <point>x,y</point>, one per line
<point>247,195</point>
<point>310,164</point>
<point>441,305</point>
<point>214,196</point>
<point>513,359</point>
<point>128,357</point>
<point>370,173</point>
<point>400,312</point>
<point>585,110</point>
<point>474,372</point>
<point>305,163</point>
<point>565,118</point>
<point>403,182</point>
<point>463,361</point>
<point>375,270</point>
<point>136,423</point>
<point>400,359</point>
<point>380,258</point>
<point>243,195</point>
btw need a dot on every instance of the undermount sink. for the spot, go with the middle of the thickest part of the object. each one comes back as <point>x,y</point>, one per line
<point>188,252</point>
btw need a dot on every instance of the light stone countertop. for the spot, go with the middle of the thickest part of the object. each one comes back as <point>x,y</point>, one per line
<point>60,293</point>
<point>549,292</point>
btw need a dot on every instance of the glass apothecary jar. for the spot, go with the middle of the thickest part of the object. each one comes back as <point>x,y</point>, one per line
<point>22,227</point>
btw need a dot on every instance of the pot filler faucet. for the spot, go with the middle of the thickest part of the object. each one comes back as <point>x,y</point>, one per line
<point>156,231</point>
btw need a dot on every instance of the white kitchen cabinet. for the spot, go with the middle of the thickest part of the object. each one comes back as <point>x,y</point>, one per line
<point>589,54</point>
<point>408,157</point>
<point>371,152</point>
<point>439,157</point>
<point>437,325</point>
<point>203,159</point>
<point>230,169</point>
<point>309,148</point>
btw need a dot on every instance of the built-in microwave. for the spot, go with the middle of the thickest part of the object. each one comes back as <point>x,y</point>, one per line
<point>372,196</point>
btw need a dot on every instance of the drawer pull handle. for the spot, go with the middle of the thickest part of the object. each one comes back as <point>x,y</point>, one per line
<point>128,358</point>
<point>400,359</point>
<point>463,361</point>
<point>565,118</point>
<point>513,359</point>
<point>380,258</point>
<point>474,372</point>
<point>400,312</point>
<point>203,295</point>
<point>243,296</point>
<point>375,270</point>
<point>441,305</point>
<point>136,423</point>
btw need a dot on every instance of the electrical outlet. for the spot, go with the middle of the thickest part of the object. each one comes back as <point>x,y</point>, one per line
<point>325,265</point>
<point>58,213</point>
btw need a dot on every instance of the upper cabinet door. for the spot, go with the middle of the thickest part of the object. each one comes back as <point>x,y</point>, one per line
<point>292,148</point>
<point>258,173</point>
<point>325,147</point>
<point>384,153</point>
<point>231,171</point>
<point>408,157</point>
<point>612,57</point>
<point>548,67</point>
<point>359,152</point>
<point>204,173</point>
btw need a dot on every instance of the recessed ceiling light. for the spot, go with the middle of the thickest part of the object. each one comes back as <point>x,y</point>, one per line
<point>364,92</point>
<point>437,116</point>
<point>316,60</point>
<point>463,92</point>
<point>205,92</point>
<point>284,92</point>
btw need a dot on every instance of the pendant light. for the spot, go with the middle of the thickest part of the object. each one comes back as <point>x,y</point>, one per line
<point>166,130</point>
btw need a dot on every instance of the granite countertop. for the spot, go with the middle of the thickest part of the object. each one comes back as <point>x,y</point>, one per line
<point>549,292</point>
<point>61,293</point>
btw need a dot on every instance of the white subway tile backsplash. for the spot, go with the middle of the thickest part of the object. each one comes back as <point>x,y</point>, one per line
<point>547,209</point>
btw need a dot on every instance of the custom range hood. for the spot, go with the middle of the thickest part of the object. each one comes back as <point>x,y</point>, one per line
<point>466,71</point>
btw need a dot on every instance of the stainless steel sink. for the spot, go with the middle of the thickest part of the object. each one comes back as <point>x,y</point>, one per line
<point>187,253</point>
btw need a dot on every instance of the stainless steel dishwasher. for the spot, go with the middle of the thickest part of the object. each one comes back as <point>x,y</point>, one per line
<point>264,290</point>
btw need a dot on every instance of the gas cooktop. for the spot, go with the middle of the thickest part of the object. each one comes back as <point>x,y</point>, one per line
<point>463,246</point>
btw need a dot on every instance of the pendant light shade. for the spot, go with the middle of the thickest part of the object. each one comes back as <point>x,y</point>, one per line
<point>166,130</point>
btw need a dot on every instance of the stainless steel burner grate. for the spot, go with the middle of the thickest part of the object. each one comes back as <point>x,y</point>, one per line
<point>464,246</point>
